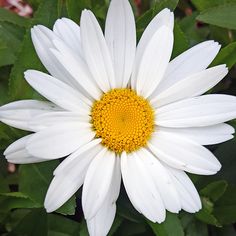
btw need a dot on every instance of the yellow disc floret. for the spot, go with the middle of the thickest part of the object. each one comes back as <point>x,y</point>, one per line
<point>123,120</point>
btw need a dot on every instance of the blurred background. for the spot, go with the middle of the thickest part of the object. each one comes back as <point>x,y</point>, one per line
<point>23,188</point>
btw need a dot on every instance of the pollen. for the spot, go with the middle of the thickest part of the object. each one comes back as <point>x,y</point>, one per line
<point>123,120</point>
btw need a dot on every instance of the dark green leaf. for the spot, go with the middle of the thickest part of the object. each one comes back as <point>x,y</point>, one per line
<point>144,20</point>
<point>225,209</point>
<point>226,155</point>
<point>180,41</point>
<point>192,226</point>
<point>221,35</point>
<point>128,228</point>
<point>228,230</point>
<point>13,18</point>
<point>11,36</point>
<point>223,16</point>
<point>194,33</point>
<point>61,226</point>
<point>6,55</point>
<point>205,214</point>
<point>40,175</point>
<point>205,4</point>
<point>9,201</point>
<point>46,14</point>
<point>214,190</point>
<point>171,226</point>
<point>227,55</point>
<point>33,224</point>
<point>75,7</point>
<point>83,229</point>
<point>116,224</point>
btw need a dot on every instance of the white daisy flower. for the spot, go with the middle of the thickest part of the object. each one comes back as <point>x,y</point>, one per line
<point>120,110</point>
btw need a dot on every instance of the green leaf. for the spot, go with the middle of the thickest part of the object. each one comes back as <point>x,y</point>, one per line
<point>223,16</point>
<point>214,190</point>
<point>171,226</point>
<point>227,55</point>
<point>9,202</point>
<point>192,226</point>
<point>205,214</point>
<point>6,55</point>
<point>46,15</point>
<point>227,230</point>
<point>128,228</point>
<point>126,210</point>
<point>203,4</point>
<point>225,153</point>
<point>75,7</point>
<point>40,175</point>
<point>83,229</point>
<point>144,20</point>
<point>61,226</point>
<point>13,18</point>
<point>225,208</point>
<point>11,36</point>
<point>10,41</point>
<point>116,224</point>
<point>194,33</point>
<point>221,35</point>
<point>33,224</point>
<point>180,41</point>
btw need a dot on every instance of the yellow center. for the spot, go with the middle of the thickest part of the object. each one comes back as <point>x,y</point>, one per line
<point>123,120</point>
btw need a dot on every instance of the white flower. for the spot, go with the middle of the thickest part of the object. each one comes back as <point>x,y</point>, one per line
<point>117,110</point>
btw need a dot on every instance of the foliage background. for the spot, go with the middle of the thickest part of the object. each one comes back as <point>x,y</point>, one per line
<point>22,192</point>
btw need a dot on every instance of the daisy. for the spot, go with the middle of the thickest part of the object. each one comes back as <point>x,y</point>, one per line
<point>120,111</point>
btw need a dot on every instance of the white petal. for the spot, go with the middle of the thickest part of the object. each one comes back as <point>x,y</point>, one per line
<point>42,39</point>
<point>57,91</point>
<point>55,118</point>
<point>77,69</point>
<point>18,114</point>
<point>93,147</point>
<point>153,62</point>
<point>188,194</point>
<point>69,32</point>
<point>120,34</point>
<point>163,18</point>
<point>101,223</point>
<point>198,111</point>
<point>69,176</point>
<point>182,153</point>
<point>59,141</point>
<point>16,152</point>
<point>96,52</point>
<point>189,62</point>
<point>162,180</point>
<point>140,188</point>
<point>204,135</point>
<point>97,182</point>
<point>191,86</point>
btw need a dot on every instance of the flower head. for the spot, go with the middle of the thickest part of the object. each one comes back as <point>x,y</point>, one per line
<point>116,110</point>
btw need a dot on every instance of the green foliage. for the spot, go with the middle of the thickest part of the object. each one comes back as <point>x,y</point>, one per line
<point>171,226</point>
<point>27,58</point>
<point>42,173</point>
<point>181,42</point>
<point>143,20</point>
<point>225,209</point>
<point>227,56</point>
<point>7,16</point>
<point>222,15</point>
<point>74,8</point>
<point>22,193</point>
<point>202,5</point>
